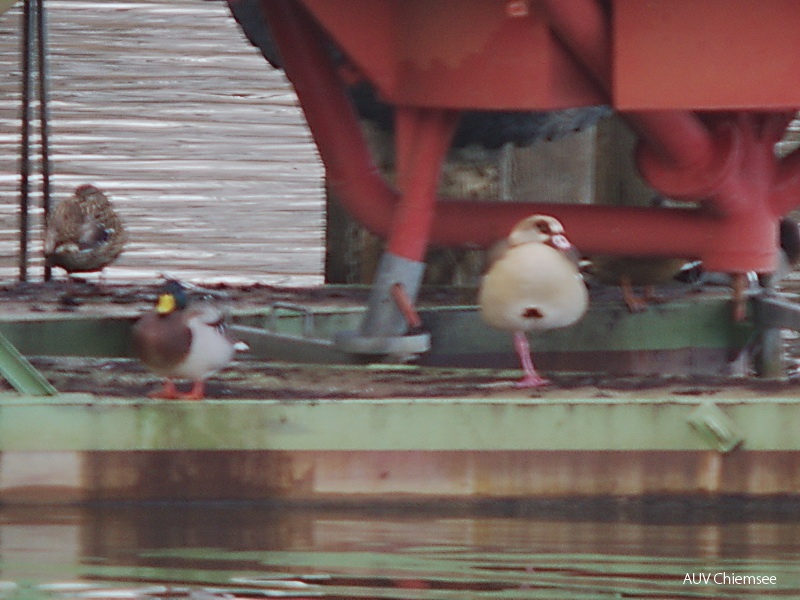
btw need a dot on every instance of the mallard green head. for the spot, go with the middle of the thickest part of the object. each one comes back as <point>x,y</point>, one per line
<point>172,297</point>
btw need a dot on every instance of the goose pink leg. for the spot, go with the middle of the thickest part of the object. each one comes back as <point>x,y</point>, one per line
<point>531,378</point>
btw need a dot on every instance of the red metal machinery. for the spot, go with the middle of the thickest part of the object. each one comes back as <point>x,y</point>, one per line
<point>708,86</point>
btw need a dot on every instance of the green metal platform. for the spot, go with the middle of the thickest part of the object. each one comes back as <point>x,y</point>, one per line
<point>475,439</point>
<point>80,447</point>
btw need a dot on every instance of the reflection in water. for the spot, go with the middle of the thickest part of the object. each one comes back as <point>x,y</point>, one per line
<point>200,144</point>
<point>253,552</point>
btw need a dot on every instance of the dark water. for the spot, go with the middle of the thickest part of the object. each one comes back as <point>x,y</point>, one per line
<point>224,552</point>
<point>200,144</point>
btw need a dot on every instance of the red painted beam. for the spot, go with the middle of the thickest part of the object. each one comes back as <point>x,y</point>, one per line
<point>431,52</point>
<point>676,137</point>
<point>732,55</point>
<point>741,245</point>
<point>330,115</point>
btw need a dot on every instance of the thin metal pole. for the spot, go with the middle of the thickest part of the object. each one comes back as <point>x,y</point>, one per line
<point>24,191</point>
<point>44,134</point>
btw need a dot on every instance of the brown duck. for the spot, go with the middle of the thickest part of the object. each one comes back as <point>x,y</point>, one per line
<point>84,234</point>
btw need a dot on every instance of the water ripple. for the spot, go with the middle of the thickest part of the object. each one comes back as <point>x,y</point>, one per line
<point>165,106</point>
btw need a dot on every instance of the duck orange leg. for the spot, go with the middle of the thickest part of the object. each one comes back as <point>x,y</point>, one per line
<point>168,391</point>
<point>531,378</point>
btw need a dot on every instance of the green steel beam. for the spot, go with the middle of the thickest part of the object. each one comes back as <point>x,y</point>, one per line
<point>700,321</point>
<point>69,335</point>
<point>557,421</point>
<point>689,322</point>
<point>21,374</point>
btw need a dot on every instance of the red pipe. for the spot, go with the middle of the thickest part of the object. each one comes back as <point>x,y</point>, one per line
<point>678,154</point>
<point>678,138</point>
<point>406,306</point>
<point>330,114</point>
<point>594,229</point>
<point>423,141</point>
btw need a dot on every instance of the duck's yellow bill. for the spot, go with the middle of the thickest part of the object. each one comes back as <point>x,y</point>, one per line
<point>166,304</point>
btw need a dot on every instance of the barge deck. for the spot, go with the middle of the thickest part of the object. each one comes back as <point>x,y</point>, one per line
<point>582,442</point>
<point>383,433</point>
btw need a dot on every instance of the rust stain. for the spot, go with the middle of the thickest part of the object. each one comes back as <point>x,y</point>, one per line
<point>391,475</point>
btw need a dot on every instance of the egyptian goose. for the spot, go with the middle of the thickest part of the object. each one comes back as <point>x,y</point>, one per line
<point>532,283</point>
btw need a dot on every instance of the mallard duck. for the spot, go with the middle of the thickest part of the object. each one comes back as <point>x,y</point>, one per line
<point>179,340</point>
<point>532,283</point>
<point>84,234</point>
<point>630,271</point>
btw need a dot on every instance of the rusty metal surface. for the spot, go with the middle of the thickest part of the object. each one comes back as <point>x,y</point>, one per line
<point>490,418</point>
<point>392,476</point>
<point>492,443</point>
